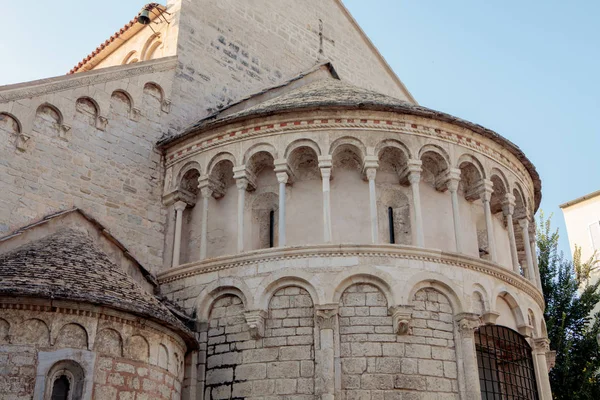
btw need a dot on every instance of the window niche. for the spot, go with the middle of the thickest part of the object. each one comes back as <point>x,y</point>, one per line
<point>65,381</point>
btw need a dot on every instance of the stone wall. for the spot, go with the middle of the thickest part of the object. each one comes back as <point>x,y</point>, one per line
<point>279,364</point>
<point>121,358</point>
<point>87,141</point>
<point>245,47</point>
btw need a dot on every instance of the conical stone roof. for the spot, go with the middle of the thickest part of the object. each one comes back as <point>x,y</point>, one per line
<point>67,265</point>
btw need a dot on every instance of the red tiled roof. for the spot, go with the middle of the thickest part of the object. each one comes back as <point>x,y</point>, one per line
<point>116,35</point>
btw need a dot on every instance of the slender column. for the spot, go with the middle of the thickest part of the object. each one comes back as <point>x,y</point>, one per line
<point>206,193</point>
<point>242,186</point>
<point>540,348</point>
<point>282,178</point>
<point>536,267</point>
<point>453,181</point>
<point>486,196</point>
<point>467,323</point>
<point>325,357</point>
<point>325,167</point>
<point>414,177</point>
<point>524,223</point>
<point>179,207</point>
<point>371,172</point>
<point>508,209</point>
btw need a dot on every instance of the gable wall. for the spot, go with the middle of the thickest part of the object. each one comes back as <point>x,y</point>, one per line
<point>229,49</point>
<point>98,156</point>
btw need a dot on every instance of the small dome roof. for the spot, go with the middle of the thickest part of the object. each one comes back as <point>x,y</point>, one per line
<point>67,265</point>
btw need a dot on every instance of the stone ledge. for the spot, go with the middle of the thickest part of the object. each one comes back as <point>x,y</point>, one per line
<point>351,250</point>
<point>68,82</point>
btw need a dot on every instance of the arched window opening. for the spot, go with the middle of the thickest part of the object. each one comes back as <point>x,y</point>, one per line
<point>272,229</point>
<point>505,364</point>
<point>65,381</point>
<point>391,224</point>
<point>61,388</point>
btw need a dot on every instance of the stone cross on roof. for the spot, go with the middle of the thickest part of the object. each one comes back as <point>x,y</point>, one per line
<point>322,38</point>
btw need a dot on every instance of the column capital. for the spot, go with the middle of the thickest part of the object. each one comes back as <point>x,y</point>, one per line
<point>467,323</point>
<point>242,173</point>
<point>450,180</point>
<point>481,190</point>
<point>180,205</point>
<point>325,161</point>
<point>179,195</point>
<point>541,344</point>
<point>282,168</point>
<point>241,184</point>
<point>369,168</point>
<point>282,177</point>
<point>508,204</point>
<point>325,315</point>
<point>210,187</point>
<point>524,224</point>
<point>401,317</point>
<point>256,323</point>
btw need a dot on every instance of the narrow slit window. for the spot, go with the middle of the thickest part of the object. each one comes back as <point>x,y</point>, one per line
<point>272,228</point>
<point>391,224</point>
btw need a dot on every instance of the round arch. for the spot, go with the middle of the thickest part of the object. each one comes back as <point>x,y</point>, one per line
<point>365,278</point>
<point>394,144</point>
<point>258,148</point>
<point>219,288</point>
<point>222,156</point>
<point>302,143</point>
<point>270,286</point>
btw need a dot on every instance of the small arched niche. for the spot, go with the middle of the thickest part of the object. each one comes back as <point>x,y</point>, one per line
<point>65,381</point>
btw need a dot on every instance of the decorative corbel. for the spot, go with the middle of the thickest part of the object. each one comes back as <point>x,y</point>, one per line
<point>525,330</point>
<point>489,317</point>
<point>23,142</point>
<point>256,323</point>
<point>165,106</point>
<point>64,132</point>
<point>325,315</point>
<point>401,317</point>
<point>134,114</point>
<point>101,122</point>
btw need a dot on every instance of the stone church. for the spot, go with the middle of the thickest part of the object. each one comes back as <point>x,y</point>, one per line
<point>240,199</point>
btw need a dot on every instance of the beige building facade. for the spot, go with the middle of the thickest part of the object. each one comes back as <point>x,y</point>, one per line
<point>242,200</point>
<point>582,218</point>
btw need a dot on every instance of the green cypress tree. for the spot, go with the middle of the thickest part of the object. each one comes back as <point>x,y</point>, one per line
<point>572,330</point>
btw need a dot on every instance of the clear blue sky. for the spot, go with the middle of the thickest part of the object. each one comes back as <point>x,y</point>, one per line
<point>527,69</point>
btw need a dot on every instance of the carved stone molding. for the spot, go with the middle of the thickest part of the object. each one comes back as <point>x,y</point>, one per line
<point>467,323</point>
<point>179,195</point>
<point>368,251</point>
<point>550,359</point>
<point>256,323</point>
<point>526,330</point>
<point>325,315</point>
<point>542,344</point>
<point>24,142</point>
<point>101,122</point>
<point>489,317</point>
<point>401,317</point>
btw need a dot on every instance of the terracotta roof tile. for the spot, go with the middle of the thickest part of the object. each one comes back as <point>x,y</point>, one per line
<point>111,39</point>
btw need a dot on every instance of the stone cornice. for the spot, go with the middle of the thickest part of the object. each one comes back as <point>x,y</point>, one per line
<point>349,250</point>
<point>89,311</point>
<point>68,82</point>
<point>413,125</point>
